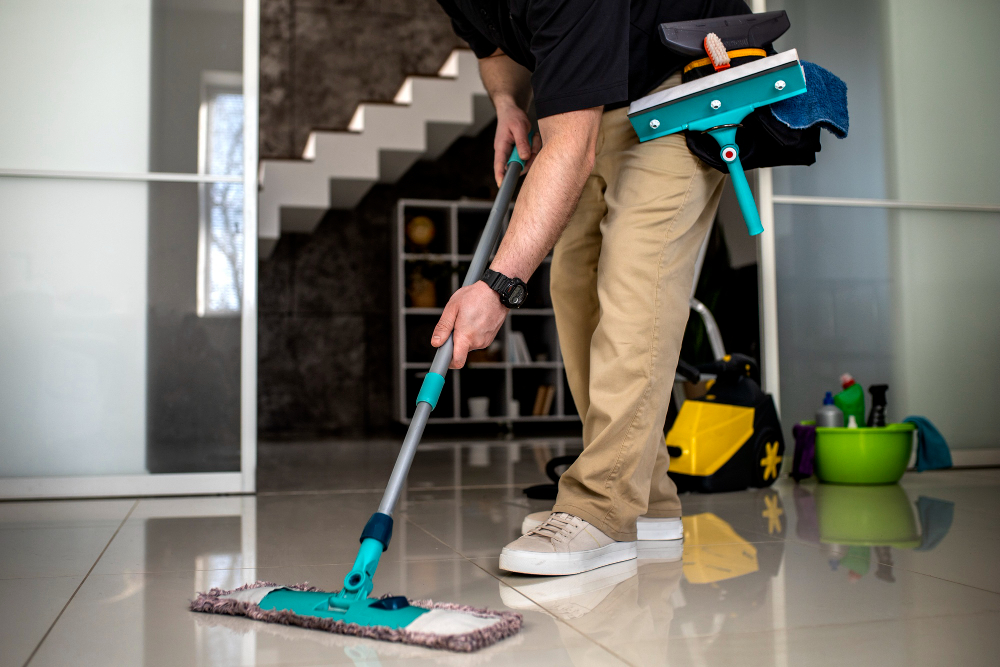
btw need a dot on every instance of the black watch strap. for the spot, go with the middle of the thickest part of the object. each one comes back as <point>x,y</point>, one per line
<point>512,291</point>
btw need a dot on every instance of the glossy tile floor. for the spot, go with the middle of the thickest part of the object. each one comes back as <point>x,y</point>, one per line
<point>808,575</point>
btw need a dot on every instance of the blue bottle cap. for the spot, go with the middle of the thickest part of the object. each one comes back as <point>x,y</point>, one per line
<point>828,399</point>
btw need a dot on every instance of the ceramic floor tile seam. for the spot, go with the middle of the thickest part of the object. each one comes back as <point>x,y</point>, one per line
<point>317,492</point>
<point>895,566</point>
<point>909,570</point>
<point>42,577</point>
<point>345,563</point>
<point>472,487</point>
<point>821,626</point>
<point>755,538</point>
<point>417,489</point>
<point>436,538</point>
<point>80,585</point>
<point>760,538</point>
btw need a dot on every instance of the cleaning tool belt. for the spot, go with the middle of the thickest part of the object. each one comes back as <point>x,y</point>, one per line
<point>764,141</point>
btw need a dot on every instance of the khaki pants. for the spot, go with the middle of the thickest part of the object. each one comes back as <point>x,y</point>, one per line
<point>621,279</point>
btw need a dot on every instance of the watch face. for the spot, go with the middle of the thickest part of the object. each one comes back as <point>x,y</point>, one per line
<point>516,295</point>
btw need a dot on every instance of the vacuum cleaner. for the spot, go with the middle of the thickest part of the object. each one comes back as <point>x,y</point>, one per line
<point>729,439</point>
<point>352,610</point>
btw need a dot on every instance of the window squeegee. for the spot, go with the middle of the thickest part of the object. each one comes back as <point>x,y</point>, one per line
<point>717,104</point>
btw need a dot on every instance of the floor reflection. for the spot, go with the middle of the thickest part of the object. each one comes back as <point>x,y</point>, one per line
<point>794,574</point>
<point>858,527</point>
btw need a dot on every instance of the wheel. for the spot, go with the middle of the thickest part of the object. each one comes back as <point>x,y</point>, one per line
<point>768,452</point>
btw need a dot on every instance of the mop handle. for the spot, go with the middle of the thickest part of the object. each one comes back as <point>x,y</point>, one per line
<point>430,390</point>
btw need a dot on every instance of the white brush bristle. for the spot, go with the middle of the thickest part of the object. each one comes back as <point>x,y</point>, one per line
<point>716,50</point>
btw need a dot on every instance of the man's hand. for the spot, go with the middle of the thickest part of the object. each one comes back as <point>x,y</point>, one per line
<point>475,314</point>
<point>513,127</point>
<point>509,86</point>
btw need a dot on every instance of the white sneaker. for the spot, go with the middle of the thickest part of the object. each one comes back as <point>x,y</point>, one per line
<point>647,529</point>
<point>563,544</point>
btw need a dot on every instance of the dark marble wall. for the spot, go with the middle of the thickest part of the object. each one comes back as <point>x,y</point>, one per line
<point>320,58</point>
<point>325,338</point>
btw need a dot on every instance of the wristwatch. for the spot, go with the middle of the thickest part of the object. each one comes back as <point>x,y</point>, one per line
<point>512,291</point>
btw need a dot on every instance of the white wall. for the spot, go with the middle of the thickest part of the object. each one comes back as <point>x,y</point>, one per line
<point>73,254</point>
<point>945,266</point>
<point>74,76</point>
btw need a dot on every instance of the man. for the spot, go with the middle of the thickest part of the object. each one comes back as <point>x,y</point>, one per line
<point>626,219</point>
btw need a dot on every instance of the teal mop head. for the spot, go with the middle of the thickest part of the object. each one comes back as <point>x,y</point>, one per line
<point>423,623</point>
<point>352,610</point>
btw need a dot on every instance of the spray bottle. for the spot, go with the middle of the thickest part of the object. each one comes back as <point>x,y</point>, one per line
<point>829,414</point>
<point>851,400</point>
<point>877,415</point>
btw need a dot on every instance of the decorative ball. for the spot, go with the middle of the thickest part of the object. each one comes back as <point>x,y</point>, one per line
<point>420,230</point>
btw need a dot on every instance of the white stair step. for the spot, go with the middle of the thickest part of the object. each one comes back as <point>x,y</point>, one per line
<point>384,140</point>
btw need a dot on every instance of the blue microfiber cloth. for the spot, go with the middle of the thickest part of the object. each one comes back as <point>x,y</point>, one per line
<point>824,103</point>
<point>932,450</point>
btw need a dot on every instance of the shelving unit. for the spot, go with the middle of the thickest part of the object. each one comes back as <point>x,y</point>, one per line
<point>445,259</point>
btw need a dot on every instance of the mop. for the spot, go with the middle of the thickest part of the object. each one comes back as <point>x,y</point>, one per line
<point>352,610</point>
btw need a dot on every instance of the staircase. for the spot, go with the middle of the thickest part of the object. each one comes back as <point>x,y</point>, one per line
<point>382,142</point>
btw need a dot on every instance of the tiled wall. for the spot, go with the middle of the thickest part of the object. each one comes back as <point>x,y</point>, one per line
<point>325,340</point>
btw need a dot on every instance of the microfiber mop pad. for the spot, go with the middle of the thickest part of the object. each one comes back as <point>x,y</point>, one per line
<point>437,625</point>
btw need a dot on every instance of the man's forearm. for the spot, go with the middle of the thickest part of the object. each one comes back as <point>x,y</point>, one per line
<point>505,81</point>
<point>550,192</point>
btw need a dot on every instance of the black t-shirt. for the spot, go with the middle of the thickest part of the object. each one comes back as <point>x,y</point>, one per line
<point>582,53</point>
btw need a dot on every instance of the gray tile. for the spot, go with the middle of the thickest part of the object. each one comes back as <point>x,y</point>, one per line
<point>56,539</point>
<point>51,552</point>
<point>32,606</point>
<point>291,530</point>
<point>968,553</point>
<point>325,528</point>
<point>63,513</point>
<point>964,640</point>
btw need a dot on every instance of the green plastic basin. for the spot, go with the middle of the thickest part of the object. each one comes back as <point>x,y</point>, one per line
<point>863,455</point>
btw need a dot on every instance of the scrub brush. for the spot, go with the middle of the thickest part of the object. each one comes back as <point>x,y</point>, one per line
<point>716,51</point>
